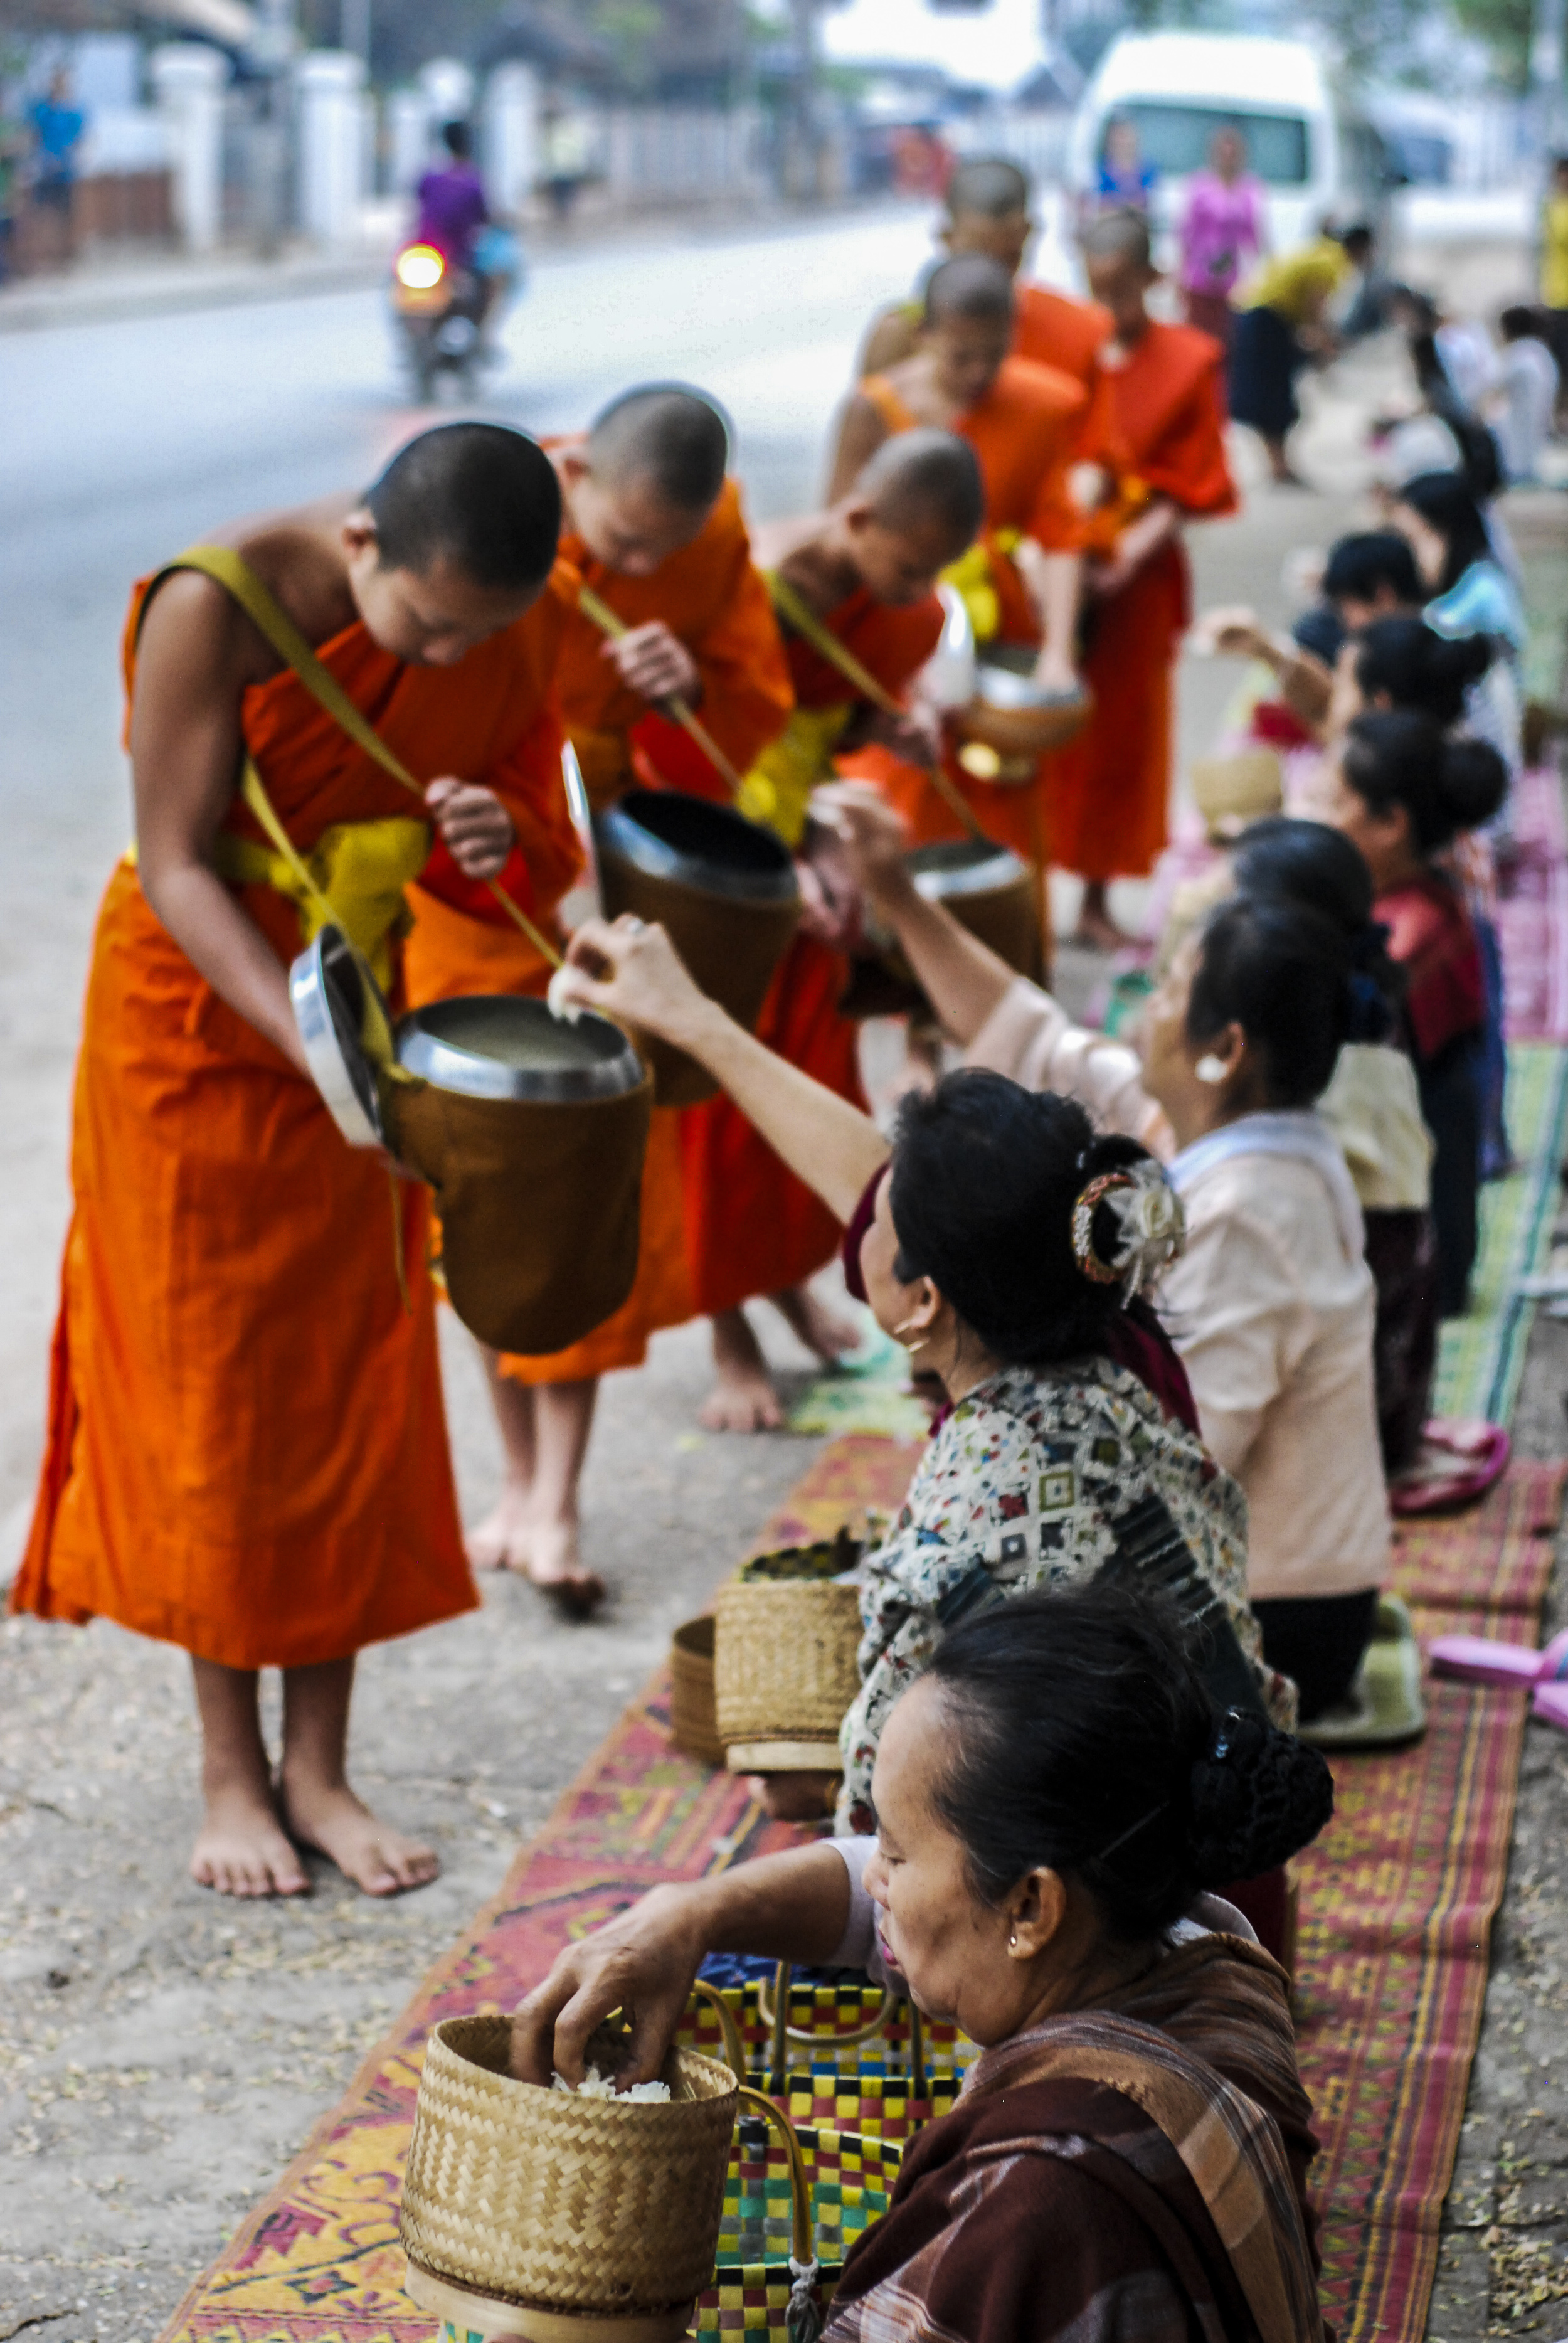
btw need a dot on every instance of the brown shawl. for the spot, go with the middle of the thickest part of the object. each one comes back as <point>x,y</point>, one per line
<point>1135,2167</point>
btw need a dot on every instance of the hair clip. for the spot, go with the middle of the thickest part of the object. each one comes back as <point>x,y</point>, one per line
<point>1153,1226</point>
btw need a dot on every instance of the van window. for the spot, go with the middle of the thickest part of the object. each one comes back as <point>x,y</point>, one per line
<point>1174,138</point>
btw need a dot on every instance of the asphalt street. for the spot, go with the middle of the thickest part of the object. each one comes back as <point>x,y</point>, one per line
<point>160,2054</point>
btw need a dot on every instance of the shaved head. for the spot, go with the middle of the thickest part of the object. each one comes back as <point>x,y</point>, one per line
<point>969,285</point>
<point>673,438</point>
<point>475,495</point>
<point>1118,236</point>
<point>987,188</point>
<point>925,479</point>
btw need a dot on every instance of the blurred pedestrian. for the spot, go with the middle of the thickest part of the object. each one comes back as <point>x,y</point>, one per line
<point>1282,328</point>
<point>1526,396</point>
<point>58,126</point>
<point>1223,226</point>
<point>1126,182</point>
<point>1554,263</point>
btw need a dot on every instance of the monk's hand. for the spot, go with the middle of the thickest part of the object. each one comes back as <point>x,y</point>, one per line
<point>871,837</point>
<point>656,664</point>
<point>642,1963</point>
<point>475,824</point>
<point>914,733</point>
<point>629,969</point>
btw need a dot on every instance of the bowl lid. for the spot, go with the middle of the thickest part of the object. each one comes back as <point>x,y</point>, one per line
<point>666,834</point>
<point>330,989</point>
<point>501,1045</point>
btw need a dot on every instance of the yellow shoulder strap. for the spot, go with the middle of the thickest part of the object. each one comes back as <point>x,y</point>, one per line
<point>230,570</point>
<point>798,614</point>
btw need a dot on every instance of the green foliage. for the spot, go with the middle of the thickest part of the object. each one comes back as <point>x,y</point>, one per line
<point>1506,26</point>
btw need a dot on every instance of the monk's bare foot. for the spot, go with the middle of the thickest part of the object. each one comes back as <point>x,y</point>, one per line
<point>242,1849</point>
<point>379,1860</point>
<point>823,1330</point>
<point>556,1568</point>
<point>743,1398</point>
<point>501,1541</point>
<point>795,1797</point>
<point>1098,931</point>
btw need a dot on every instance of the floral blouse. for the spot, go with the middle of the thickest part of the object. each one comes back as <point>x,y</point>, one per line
<point>1031,1481</point>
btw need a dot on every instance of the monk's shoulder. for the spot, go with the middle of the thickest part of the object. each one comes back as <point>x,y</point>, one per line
<point>1035,389</point>
<point>1183,353</point>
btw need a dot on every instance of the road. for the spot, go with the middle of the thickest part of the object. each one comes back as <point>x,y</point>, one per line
<point>161,2055</point>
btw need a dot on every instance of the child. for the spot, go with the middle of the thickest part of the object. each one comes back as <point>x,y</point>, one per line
<point>1401,792</point>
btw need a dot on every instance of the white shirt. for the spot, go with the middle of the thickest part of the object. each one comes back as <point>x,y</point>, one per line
<point>1522,418</point>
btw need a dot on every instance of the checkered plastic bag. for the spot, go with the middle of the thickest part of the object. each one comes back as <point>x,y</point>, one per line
<point>795,2200</point>
<point>855,2058</point>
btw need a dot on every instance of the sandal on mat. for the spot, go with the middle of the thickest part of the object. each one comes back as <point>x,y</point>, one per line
<point>1459,1459</point>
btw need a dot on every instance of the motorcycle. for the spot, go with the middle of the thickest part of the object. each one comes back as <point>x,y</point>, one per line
<point>440,309</point>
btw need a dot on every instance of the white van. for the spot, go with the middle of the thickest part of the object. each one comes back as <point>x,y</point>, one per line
<point>1315,159</point>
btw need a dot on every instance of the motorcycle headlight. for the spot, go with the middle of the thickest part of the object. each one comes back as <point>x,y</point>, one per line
<point>420,266</point>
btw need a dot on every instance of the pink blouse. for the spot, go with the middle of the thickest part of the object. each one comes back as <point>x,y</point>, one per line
<point>1221,226</point>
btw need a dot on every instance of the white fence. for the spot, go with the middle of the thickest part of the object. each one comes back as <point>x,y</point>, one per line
<point>681,153</point>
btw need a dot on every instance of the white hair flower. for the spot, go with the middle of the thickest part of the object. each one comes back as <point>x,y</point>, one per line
<point>1152,1227</point>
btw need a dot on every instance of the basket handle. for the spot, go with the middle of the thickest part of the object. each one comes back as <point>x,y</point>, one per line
<point>734,2051</point>
<point>777,2019</point>
<point>803,2320</point>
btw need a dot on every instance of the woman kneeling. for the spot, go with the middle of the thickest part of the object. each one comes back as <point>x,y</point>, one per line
<point>1053,1798</point>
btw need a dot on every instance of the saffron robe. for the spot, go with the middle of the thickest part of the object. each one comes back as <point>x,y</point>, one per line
<point>710,595</point>
<point>247,1450</point>
<point>1025,433</point>
<point>1052,329</point>
<point>752,1226</point>
<point>1157,420</point>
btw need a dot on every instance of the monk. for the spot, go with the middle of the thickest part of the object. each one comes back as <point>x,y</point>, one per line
<point>859,580</point>
<point>654,527</point>
<point>988,211</point>
<point>1023,422</point>
<point>247,1451</point>
<point>1155,436</point>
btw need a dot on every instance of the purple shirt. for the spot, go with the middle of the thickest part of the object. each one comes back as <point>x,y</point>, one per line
<point>1220,224</point>
<point>452,210</point>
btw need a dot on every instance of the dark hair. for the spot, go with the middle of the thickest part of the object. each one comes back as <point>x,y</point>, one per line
<point>1519,324</point>
<point>988,186</point>
<point>669,433</point>
<point>1395,757</point>
<point>1119,234</point>
<point>1359,565</point>
<point>985,1175</point>
<point>1447,505</point>
<point>1283,972</point>
<point>1305,862</point>
<point>1082,1737</point>
<point>1358,238</point>
<point>1320,630</point>
<point>922,476</point>
<point>1420,668</point>
<point>971,285</point>
<point>457,139</point>
<point>477,495</point>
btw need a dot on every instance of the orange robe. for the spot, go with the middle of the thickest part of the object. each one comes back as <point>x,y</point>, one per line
<point>247,1450</point>
<point>1052,329</point>
<point>710,595</point>
<point>751,1227</point>
<point>1158,420</point>
<point>1026,434</point>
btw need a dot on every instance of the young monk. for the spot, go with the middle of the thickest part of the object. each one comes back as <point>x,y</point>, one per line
<point>987,211</point>
<point>854,584</point>
<point>654,527</point>
<point>247,1451</point>
<point>1023,422</point>
<point>1155,434</point>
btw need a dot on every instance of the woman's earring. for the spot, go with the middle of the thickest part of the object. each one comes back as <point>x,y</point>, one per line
<point>1012,1938</point>
<point>910,1347</point>
<point>1210,1068</point>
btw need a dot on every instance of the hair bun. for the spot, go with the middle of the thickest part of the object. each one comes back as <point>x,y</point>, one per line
<point>1258,1796</point>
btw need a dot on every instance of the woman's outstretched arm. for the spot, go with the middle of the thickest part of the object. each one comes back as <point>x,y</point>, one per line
<point>632,972</point>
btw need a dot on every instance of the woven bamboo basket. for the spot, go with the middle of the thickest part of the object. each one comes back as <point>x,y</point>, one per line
<point>693,1720</point>
<point>784,1666</point>
<point>526,2210</point>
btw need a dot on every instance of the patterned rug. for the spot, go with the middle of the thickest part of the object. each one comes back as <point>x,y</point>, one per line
<point>1396,1902</point>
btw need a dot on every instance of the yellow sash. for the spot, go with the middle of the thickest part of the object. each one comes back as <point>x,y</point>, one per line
<point>777,788</point>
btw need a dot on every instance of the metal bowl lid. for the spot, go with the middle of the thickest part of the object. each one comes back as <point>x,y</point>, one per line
<point>499,1045</point>
<point>668,834</point>
<point>966,866</point>
<point>329,987</point>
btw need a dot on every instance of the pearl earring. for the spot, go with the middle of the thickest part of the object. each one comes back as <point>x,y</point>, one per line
<point>1012,1938</point>
<point>1210,1068</point>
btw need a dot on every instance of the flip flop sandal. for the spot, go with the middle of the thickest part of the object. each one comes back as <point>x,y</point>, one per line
<point>1466,1456</point>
